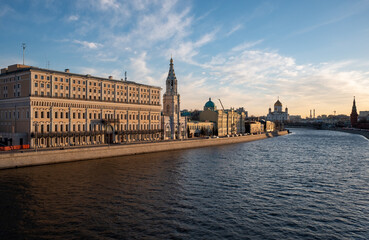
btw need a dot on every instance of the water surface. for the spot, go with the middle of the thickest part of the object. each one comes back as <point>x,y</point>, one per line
<point>307,185</point>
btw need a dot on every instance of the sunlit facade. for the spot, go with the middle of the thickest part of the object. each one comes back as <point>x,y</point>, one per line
<point>51,108</point>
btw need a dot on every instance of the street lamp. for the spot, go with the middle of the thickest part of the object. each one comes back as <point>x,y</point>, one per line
<point>36,129</point>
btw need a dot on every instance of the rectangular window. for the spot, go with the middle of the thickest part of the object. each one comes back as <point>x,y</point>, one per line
<point>74,115</point>
<point>36,84</point>
<point>66,115</point>
<point>42,114</point>
<point>56,86</point>
<point>56,114</point>
<point>61,115</point>
<point>48,114</point>
<point>36,76</point>
<point>42,77</point>
<point>47,78</point>
<point>56,128</point>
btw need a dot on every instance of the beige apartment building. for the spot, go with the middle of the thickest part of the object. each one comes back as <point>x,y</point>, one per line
<point>48,108</point>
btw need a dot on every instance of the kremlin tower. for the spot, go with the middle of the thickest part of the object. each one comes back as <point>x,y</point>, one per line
<point>353,115</point>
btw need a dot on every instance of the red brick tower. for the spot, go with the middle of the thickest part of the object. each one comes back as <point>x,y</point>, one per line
<point>354,115</point>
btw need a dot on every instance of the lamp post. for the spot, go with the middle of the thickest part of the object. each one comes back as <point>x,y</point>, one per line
<point>36,129</point>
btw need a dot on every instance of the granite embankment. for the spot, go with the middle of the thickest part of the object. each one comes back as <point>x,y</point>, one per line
<point>24,159</point>
<point>362,132</point>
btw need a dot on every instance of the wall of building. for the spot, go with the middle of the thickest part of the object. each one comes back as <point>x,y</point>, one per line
<point>43,102</point>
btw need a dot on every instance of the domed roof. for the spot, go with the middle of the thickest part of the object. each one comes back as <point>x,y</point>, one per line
<point>209,104</point>
<point>278,103</point>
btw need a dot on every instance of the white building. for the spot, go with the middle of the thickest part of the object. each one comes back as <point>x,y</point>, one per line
<point>278,114</point>
<point>173,124</point>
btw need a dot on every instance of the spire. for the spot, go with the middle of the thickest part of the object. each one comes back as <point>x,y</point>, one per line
<point>171,79</point>
<point>353,115</point>
<point>354,107</point>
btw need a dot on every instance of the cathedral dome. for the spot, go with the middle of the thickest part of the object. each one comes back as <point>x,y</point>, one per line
<point>278,103</point>
<point>210,105</point>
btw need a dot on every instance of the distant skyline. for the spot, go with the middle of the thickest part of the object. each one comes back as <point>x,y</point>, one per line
<point>310,54</point>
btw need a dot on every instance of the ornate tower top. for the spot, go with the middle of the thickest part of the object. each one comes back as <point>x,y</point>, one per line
<point>171,80</point>
<point>354,107</point>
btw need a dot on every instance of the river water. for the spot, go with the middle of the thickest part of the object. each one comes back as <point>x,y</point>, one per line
<point>308,185</point>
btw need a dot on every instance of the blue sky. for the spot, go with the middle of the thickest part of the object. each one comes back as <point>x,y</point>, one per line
<point>312,54</point>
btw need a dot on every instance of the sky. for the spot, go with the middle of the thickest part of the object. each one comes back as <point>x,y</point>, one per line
<point>311,54</point>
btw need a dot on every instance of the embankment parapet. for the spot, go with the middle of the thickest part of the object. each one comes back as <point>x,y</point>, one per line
<point>18,159</point>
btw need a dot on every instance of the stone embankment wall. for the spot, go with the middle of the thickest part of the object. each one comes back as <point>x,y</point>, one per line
<point>364,133</point>
<point>18,159</point>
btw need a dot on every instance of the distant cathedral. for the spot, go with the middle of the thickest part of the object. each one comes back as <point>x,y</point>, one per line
<point>278,114</point>
<point>173,124</point>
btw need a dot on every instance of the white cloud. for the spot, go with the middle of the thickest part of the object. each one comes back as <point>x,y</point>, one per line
<point>255,78</point>
<point>246,45</point>
<point>90,45</point>
<point>234,29</point>
<point>73,18</point>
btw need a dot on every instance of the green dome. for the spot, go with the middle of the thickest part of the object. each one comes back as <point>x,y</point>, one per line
<point>209,104</point>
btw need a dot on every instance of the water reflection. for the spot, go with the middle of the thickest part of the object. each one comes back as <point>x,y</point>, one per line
<point>311,184</point>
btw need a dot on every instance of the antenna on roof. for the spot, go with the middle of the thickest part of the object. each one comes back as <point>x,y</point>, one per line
<point>24,48</point>
<point>125,76</point>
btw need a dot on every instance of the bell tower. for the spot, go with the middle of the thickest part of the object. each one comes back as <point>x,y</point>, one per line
<point>171,101</point>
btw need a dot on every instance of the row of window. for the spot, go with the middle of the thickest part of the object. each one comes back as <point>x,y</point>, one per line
<point>95,84</point>
<point>14,114</point>
<point>42,85</point>
<point>61,115</point>
<point>94,97</point>
<point>10,79</point>
<point>92,127</point>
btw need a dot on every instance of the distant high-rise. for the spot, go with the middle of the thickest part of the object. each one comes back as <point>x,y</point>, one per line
<point>353,115</point>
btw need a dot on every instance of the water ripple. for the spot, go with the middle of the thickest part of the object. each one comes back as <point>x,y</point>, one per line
<point>307,185</point>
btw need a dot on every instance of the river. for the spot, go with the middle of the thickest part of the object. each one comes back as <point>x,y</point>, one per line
<point>310,184</point>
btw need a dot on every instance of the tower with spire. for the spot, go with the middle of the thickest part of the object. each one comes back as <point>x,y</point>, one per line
<point>353,115</point>
<point>174,124</point>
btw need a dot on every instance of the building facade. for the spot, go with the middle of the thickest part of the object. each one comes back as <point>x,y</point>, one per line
<point>227,122</point>
<point>173,124</point>
<point>278,115</point>
<point>48,108</point>
<point>198,129</point>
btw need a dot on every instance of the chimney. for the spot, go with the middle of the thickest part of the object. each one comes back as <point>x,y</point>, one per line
<point>310,114</point>
<point>314,113</point>
<point>110,77</point>
<point>66,70</point>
